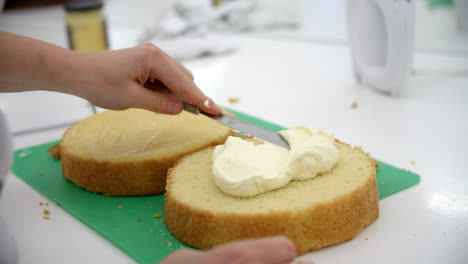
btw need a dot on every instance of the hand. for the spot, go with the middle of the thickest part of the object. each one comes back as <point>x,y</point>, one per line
<point>274,250</point>
<point>117,79</point>
<point>109,79</point>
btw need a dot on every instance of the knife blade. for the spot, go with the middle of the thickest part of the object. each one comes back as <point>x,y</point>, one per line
<point>232,122</point>
<point>242,126</point>
<point>251,129</point>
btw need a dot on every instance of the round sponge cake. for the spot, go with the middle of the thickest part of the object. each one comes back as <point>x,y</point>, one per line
<point>126,153</point>
<point>315,213</point>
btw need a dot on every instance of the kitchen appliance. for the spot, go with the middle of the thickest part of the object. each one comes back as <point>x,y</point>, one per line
<point>8,249</point>
<point>381,34</point>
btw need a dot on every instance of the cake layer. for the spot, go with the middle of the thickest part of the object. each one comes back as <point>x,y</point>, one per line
<point>121,153</point>
<point>328,209</point>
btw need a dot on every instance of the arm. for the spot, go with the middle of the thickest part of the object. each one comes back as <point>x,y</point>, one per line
<point>109,79</point>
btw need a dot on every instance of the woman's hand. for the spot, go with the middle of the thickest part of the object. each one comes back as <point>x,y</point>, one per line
<point>274,250</point>
<point>109,79</point>
<point>120,79</point>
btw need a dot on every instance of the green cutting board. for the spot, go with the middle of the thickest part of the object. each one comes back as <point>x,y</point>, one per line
<point>129,222</point>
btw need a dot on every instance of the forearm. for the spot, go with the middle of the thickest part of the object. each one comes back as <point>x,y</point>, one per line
<point>27,64</point>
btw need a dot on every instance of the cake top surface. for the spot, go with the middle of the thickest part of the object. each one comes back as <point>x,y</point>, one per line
<point>136,134</point>
<point>191,182</point>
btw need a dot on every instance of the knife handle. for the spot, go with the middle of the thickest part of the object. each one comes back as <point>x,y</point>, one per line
<point>158,86</point>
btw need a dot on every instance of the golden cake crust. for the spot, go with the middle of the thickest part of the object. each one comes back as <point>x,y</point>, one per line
<point>320,225</point>
<point>120,177</point>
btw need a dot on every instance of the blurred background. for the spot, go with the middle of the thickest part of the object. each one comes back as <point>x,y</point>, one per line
<point>174,25</point>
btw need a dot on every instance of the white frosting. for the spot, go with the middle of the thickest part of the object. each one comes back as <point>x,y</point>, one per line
<point>241,168</point>
<point>312,151</point>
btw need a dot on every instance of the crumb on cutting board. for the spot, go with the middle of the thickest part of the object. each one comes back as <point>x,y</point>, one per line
<point>54,151</point>
<point>354,105</point>
<point>157,215</point>
<point>233,100</point>
<point>46,212</point>
<point>41,203</point>
<point>139,219</point>
<point>120,206</point>
<point>46,218</point>
<point>40,173</point>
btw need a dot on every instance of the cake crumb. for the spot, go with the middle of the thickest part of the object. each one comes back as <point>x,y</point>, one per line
<point>139,219</point>
<point>46,212</point>
<point>206,103</point>
<point>233,100</point>
<point>24,153</point>
<point>46,218</point>
<point>366,238</point>
<point>40,173</point>
<point>54,151</point>
<point>413,162</point>
<point>169,243</point>
<point>47,204</point>
<point>41,203</point>
<point>120,206</point>
<point>157,215</point>
<point>354,105</point>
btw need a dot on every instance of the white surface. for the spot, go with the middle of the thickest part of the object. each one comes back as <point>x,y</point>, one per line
<point>435,30</point>
<point>294,83</point>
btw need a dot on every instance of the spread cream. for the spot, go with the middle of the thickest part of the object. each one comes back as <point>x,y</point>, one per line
<point>243,168</point>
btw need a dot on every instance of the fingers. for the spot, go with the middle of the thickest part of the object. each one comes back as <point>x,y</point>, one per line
<point>163,103</point>
<point>184,69</point>
<point>178,79</point>
<point>274,250</point>
<point>182,257</point>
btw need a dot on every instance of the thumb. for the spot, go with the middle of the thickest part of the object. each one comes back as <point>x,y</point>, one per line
<point>163,103</point>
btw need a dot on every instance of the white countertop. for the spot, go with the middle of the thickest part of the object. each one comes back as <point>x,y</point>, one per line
<point>288,82</point>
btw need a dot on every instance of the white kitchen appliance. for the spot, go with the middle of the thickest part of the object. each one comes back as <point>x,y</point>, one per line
<point>381,36</point>
<point>8,249</point>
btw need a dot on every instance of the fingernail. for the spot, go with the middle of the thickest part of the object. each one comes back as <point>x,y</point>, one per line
<point>216,107</point>
<point>288,242</point>
<point>174,107</point>
<point>210,104</point>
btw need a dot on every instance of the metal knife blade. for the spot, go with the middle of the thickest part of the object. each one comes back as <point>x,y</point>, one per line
<point>241,125</point>
<point>251,129</point>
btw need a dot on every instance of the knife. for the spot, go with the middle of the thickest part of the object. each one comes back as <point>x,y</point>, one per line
<point>228,120</point>
<point>242,126</point>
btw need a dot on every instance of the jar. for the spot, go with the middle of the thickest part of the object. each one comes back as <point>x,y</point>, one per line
<point>86,25</point>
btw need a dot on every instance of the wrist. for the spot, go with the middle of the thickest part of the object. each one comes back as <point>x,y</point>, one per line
<point>63,71</point>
